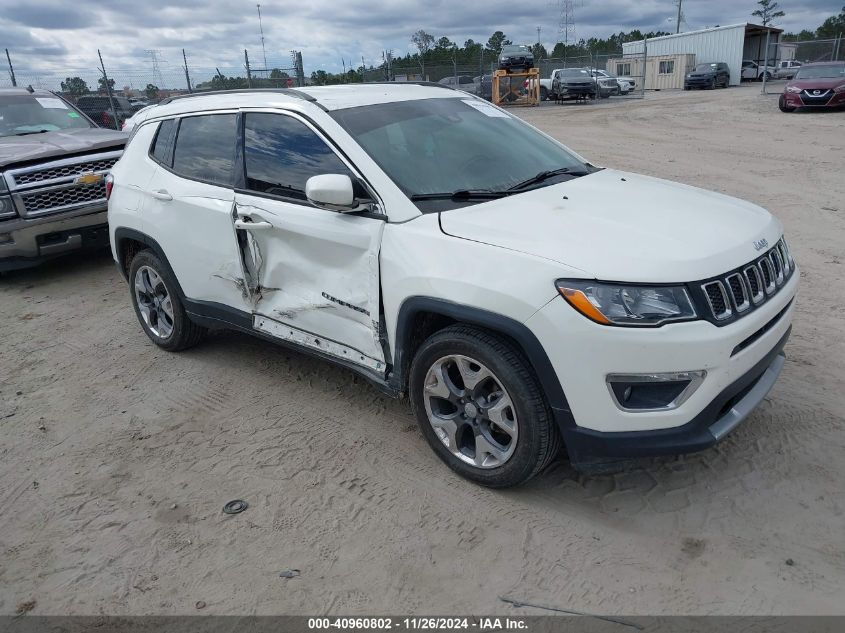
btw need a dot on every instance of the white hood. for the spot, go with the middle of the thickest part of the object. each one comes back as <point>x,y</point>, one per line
<point>617,226</point>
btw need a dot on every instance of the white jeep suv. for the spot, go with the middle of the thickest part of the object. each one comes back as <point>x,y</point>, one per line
<point>520,296</point>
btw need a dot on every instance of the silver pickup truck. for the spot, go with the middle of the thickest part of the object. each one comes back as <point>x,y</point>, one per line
<point>53,162</point>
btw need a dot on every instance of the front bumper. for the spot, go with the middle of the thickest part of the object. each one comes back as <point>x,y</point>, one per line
<point>583,354</point>
<point>698,82</point>
<point>724,413</point>
<point>801,100</point>
<point>25,243</point>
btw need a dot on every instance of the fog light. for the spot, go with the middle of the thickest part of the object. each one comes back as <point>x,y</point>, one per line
<point>653,392</point>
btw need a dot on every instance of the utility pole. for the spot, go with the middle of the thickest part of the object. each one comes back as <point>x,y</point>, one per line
<point>261,28</point>
<point>187,76</point>
<point>11,69</point>
<point>108,89</point>
<point>248,71</point>
<point>678,23</point>
<point>363,68</point>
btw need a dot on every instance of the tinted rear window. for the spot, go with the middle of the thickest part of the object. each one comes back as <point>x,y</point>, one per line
<point>205,148</point>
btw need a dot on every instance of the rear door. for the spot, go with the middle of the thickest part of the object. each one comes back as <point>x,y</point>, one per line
<point>189,204</point>
<point>312,274</point>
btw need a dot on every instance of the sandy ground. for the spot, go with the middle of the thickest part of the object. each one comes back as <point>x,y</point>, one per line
<point>116,458</point>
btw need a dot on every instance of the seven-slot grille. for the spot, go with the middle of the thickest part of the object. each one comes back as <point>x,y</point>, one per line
<point>61,185</point>
<point>738,291</point>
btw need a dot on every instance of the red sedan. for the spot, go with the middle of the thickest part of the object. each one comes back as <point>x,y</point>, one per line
<point>815,86</point>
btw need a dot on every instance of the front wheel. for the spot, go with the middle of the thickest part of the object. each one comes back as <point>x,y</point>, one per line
<point>157,305</point>
<point>480,407</point>
<point>713,84</point>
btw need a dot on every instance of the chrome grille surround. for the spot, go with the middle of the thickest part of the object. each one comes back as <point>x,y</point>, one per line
<point>736,292</point>
<point>49,188</point>
<point>718,300</point>
<point>737,285</point>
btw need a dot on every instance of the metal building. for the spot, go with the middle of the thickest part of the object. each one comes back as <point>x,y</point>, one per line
<point>730,44</point>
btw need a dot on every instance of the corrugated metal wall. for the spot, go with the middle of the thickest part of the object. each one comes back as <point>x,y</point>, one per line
<point>722,44</point>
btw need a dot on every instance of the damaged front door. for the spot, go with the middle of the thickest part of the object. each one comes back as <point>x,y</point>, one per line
<point>312,274</point>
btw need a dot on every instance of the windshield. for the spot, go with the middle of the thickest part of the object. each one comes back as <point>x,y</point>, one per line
<point>515,49</point>
<point>431,146</point>
<point>30,114</point>
<point>573,72</point>
<point>705,68</point>
<point>833,71</point>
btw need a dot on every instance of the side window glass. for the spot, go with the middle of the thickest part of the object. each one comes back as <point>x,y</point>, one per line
<point>205,147</point>
<point>282,153</point>
<point>162,147</point>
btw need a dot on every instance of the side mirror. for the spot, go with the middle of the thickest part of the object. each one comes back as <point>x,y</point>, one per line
<point>331,191</point>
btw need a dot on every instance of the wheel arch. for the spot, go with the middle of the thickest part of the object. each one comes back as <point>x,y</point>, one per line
<point>128,242</point>
<point>420,317</point>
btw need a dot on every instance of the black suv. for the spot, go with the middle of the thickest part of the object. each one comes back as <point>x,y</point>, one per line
<point>713,75</point>
<point>516,57</point>
<point>99,109</point>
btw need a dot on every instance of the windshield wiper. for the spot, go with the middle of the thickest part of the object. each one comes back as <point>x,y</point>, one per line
<point>545,175</point>
<point>461,194</point>
<point>32,132</point>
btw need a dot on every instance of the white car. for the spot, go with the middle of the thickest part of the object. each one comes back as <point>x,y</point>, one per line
<point>755,72</point>
<point>443,248</point>
<point>787,69</point>
<point>626,84</point>
<point>130,123</point>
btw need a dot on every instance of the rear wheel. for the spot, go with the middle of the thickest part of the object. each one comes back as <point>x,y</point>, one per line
<point>544,93</point>
<point>157,305</point>
<point>481,408</point>
<point>782,105</point>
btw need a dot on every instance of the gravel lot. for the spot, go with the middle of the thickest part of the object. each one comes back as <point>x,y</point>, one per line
<point>116,458</point>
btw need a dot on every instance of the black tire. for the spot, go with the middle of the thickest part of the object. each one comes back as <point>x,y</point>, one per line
<point>538,440</point>
<point>544,93</point>
<point>185,333</point>
<point>782,105</point>
<point>712,85</point>
<point>687,88</point>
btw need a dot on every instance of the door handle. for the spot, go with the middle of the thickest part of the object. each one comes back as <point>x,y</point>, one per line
<point>249,225</point>
<point>161,194</point>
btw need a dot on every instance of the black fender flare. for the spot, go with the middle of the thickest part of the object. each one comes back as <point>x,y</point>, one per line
<point>518,332</point>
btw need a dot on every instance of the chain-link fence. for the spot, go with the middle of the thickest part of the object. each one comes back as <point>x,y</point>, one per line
<point>156,77</point>
<point>785,59</point>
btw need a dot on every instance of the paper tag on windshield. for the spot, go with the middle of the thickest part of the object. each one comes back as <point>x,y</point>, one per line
<point>486,108</point>
<point>51,102</point>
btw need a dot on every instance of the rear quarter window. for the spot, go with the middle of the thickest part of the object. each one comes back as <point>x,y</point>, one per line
<point>161,149</point>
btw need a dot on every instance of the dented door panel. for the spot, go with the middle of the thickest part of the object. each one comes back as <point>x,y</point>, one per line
<point>313,276</point>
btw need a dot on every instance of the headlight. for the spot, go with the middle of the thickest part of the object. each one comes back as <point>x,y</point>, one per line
<point>7,208</point>
<point>793,89</point>
<point>630,305</point>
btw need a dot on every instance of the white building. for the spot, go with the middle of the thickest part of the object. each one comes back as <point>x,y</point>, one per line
<point>730,44</point>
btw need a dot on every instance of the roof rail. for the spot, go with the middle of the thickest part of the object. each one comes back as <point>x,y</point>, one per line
<point>430,84</point>
<point>286,91</point>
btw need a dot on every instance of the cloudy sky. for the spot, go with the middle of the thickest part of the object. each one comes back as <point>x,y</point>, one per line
<point>55,37</point>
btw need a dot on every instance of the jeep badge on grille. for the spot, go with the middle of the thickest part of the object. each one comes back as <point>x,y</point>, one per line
<point>759,245</point>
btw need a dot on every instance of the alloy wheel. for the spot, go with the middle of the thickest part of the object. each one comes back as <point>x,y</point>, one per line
<point>154,302</point>
<point>470,411</point>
